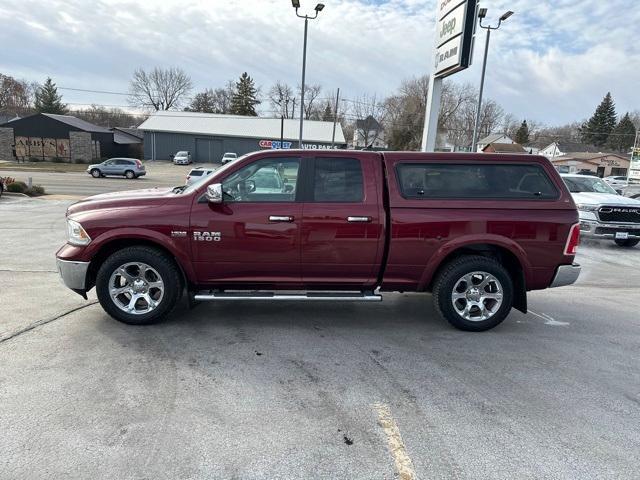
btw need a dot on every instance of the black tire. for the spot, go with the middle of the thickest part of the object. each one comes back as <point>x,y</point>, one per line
<point>628,243</point>
<point>95,173</point>
<point>448,278</point>
<point>129,174</point>
<point>162,263</point>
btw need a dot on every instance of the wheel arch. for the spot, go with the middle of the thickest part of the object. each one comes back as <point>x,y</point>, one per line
<point>513,259</point>
<point>113,245</point>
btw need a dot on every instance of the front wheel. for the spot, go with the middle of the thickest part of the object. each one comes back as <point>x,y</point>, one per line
<point>473,293</point>
<point>138,285</point>
<point>629,242</point>
<point>95,173</point>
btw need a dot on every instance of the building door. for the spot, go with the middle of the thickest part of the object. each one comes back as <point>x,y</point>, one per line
<point>208,150</point>
<point>600,172</point>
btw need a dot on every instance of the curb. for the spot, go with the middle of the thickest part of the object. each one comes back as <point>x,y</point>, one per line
<point>15,194</point>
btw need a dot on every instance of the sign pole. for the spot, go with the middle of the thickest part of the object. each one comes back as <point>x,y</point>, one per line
<point>431,114</point>
<point>335,119</point>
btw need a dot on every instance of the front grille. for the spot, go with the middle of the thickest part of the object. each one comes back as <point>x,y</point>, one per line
<point>619,214</point>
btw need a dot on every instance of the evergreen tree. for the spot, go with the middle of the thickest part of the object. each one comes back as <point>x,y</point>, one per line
<point>623,135</point>
<point>597,129</point>
<point>522,135</point>
<point>327,115</point>
<point>47,99</point>
<point>245,97</point>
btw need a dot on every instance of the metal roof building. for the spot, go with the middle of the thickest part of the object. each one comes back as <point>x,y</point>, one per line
<point>208,136</point>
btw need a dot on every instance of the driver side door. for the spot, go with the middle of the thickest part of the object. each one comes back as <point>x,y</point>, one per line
<point>253,237</point>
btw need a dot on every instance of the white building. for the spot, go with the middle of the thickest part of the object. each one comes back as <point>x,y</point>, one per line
<point>368,134</point>
<point>562,148</point>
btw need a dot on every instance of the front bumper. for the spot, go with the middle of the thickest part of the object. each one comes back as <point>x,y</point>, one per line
<point>566,275</point>
<point>595,229</point>
<point>73,274</point>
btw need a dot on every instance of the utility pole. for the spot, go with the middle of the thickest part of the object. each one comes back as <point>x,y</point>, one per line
<point>335,119</point>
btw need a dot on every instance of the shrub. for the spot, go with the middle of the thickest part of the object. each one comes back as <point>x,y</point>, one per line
<point>81,161</point>
<point>35,159</point>
<point>59,160</point>
<point>17,187</point>
<point>35,191</point>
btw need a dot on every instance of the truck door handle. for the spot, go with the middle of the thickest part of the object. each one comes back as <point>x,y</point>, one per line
<point>280,218</point>
<point>358,219</point>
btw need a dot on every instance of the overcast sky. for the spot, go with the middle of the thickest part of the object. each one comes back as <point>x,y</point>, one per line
<point>553,61</point>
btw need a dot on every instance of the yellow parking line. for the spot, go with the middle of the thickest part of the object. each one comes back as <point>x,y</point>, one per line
<point>404,466</point>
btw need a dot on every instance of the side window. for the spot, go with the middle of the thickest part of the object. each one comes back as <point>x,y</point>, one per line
<point>460,181</point>
<point>337,180</point>
<point>268,180</point>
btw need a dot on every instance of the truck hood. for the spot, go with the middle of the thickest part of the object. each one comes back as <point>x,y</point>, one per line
<point>129,198</point>
<point>592,198</point>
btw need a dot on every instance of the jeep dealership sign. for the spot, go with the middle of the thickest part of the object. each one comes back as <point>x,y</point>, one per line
<point>455,30</point>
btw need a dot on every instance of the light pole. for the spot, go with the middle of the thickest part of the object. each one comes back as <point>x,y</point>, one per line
<point>318,9</point>
<point>482,13</point>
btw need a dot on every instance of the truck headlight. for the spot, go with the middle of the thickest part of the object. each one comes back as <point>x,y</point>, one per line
<point>76,235</point>
<point>587,208</point>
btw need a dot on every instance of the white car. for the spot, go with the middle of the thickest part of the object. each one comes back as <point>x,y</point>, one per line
<point>228,157</point>
<point>183,157</point>
<point>197,174</point>
<point>603,212</point>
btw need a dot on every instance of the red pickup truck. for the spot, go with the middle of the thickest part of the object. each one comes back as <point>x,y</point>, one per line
<point>478,231</point>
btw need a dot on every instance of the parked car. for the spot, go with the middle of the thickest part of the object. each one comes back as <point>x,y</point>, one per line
<point>476,230</point>
<point>618,183</point>
<point>603,212</point>
<point>127,167</point>
<point>182,158</point>
<point>228,157</point>
<point>197,174</point>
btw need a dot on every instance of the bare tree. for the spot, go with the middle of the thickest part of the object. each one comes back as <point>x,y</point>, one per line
<point>281,97</point>
<point>404,113</point>
<point>370,115</point>
<point>212,101</point>
<point>109,117</point>
<point>311,94</point>
<point>159,89</point>
<point>16,96</point>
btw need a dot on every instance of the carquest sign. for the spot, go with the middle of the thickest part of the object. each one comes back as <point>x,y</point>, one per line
<point>274,144</point>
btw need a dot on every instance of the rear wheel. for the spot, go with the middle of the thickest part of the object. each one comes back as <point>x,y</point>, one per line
<point>138,285</point>
<point>129,174</point>
<point>473,293</point>
<point>95,173</point>
<point>629,242</point>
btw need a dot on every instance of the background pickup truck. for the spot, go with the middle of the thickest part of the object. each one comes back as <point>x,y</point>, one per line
<point>478,231</point>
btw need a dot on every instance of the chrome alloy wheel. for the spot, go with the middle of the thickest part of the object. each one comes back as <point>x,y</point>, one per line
<point>136,288</point>
<point>477,296</point>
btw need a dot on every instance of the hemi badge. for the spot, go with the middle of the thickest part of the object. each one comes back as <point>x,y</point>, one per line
<point>179,234</point>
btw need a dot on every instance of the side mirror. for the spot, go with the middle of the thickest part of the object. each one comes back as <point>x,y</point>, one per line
<point>214,193</point>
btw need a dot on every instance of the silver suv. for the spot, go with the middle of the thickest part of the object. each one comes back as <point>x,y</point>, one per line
<point>126,167</point>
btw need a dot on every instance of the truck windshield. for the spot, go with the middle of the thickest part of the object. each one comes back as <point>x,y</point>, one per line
<point>588,184</point>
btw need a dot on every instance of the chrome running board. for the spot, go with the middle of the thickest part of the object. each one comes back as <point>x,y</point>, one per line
<point>304,297</point>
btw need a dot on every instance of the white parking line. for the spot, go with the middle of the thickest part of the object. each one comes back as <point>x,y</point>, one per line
<point>549,320</point>
<point>404,465</point>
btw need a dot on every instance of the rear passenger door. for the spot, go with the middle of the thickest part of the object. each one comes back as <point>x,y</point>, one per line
<point>342,222</point>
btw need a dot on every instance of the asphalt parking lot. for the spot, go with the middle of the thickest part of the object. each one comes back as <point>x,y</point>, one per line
<point>352,391</point>
<point>159,174</point>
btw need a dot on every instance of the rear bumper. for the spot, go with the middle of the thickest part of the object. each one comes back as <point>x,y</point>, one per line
<point>73,274</point>
<point>566,275</point>
<point>594,229</point>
